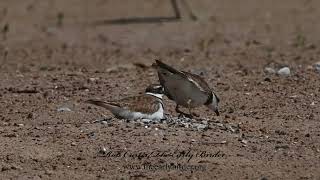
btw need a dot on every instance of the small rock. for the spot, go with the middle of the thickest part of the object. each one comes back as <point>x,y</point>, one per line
<point>244,141</point>
<point>281,147</point>
<point>219,124</point>
<point>200,127</point>
<point>313,103</point>
<point>10,135</point>
<point>186,125</point>
<point>30,115</point>
<point>205,122</point>
<point>103,150</point>
<point>104,120</point>
<point>73,144</point>
<point>230,110</point>
<point>91,135</point>
<point>48,172</point>
<point>269,70</point>
<point>232,129</point>
<point>267,79</point>
<point>223,142</point>
<point>64,109</point>
<point>80,158</point>
<point>317,66</point>
<point>284,71</point>
<point>93,79</point>
<point>5,168</point>
<point>16,167</point>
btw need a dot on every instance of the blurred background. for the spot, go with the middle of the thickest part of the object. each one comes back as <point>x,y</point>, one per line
<point>206,26</point>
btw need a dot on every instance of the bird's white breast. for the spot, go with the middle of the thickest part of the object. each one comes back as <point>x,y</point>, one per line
<point>158,115</point>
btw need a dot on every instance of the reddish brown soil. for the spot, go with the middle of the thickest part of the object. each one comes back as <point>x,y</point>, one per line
<point>231,44</point>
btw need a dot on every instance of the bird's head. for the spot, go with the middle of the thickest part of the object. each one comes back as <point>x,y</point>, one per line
<point>155,90</point>
<point>213,102</point>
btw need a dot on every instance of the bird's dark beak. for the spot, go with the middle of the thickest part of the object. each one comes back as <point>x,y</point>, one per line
<point>217,112</point>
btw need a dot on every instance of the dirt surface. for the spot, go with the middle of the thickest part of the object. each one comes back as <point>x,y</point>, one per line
<point>53,56</point>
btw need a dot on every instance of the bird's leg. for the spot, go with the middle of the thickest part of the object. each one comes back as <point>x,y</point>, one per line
<point>181,113</point>
<point>189,108</point>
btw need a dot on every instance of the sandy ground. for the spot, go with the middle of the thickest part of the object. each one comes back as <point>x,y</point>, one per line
<point>54,54</point>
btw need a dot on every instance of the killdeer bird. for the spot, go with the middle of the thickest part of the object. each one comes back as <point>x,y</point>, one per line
<point>147,106</point>
<point>186,89</point>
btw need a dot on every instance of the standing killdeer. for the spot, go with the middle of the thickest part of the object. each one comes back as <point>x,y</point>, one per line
<point>147,106</point>
<point>186,89</point>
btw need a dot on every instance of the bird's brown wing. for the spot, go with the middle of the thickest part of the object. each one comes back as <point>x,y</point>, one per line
<point>143,104</point>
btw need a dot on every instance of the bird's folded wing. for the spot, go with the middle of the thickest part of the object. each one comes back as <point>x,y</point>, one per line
<point>198,81</point>
<point>107,105</point>
<point>143,104</point>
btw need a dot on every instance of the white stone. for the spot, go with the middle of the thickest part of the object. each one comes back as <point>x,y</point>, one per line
<point>63,109</point>
<point>284,71</point>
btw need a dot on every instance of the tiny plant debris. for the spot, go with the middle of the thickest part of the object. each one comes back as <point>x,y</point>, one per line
<point>60,18</point>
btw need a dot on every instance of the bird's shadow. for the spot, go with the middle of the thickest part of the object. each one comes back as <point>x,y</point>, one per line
<point>141,20</point>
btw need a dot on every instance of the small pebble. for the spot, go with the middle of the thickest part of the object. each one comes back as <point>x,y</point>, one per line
<point>267,79</point>
<point>199,126</point>
<point>30,115</point>
<point>269,70</point>
<point>244,141</point>
<point>103,150</point>
<point>93,79</point>
<point>317,66</point>
<point>64,109</point>
<point>284,71</point>
<point>281,147</point>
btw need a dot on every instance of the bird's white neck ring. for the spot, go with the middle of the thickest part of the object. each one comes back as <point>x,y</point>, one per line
<point>155,95</point>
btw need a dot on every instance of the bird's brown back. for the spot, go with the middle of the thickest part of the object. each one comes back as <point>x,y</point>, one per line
<point>144,103</point>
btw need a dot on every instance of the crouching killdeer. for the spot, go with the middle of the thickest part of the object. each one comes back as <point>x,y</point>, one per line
<point>147,106</point>
<point>186,89</point>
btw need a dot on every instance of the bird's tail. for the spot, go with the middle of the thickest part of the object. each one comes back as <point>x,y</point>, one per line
<point>166,67</point>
